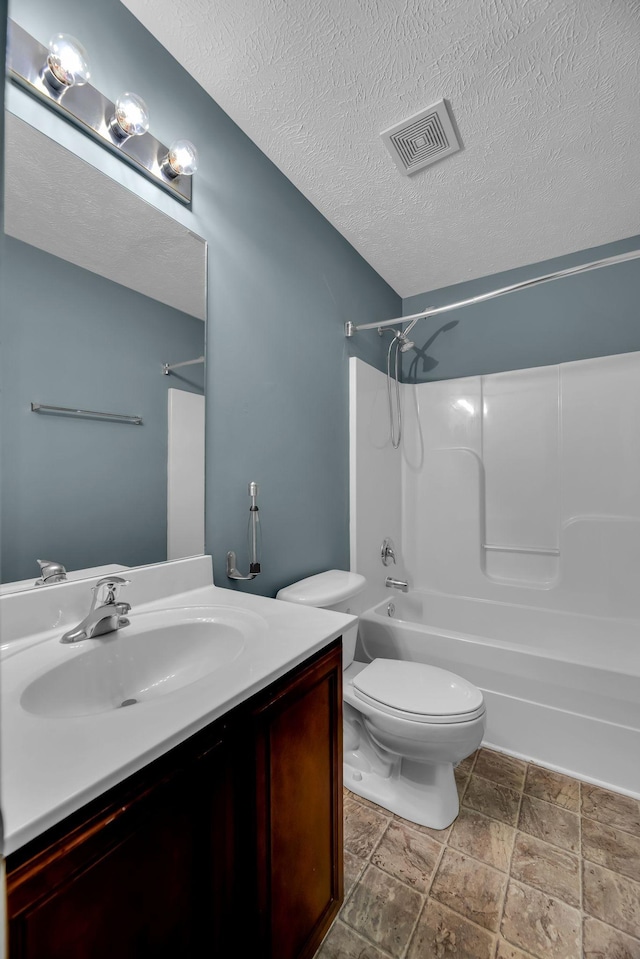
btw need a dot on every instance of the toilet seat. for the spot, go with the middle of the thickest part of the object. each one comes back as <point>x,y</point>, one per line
<point>418,692</point>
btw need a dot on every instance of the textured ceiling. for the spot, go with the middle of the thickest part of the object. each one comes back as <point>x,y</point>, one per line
<point>94,222</point>
<point>544,93</point>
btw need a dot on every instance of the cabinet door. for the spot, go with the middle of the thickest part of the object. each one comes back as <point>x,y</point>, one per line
<point>299,803</point>
<point>141,881</point>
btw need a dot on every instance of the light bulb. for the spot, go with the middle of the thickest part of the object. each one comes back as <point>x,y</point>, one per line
<point>131,118</point>
<point>66,64</point>
<point>181,160</point>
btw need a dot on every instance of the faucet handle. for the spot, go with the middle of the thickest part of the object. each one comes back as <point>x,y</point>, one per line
<point>111,586</point>
<point>387,552</point>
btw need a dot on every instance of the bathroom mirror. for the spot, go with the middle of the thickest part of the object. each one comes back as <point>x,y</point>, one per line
<point>102,289</point>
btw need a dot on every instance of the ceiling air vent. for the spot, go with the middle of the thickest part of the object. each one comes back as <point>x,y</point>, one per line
<point>422,139</point>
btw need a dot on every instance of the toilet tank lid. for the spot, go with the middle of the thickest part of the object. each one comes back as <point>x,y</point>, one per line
<point>324,589</point>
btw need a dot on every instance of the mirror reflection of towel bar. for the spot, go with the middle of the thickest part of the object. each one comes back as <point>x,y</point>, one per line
<point>91,414</point>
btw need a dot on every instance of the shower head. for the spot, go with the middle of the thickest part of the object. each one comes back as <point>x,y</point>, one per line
<point>404,342</point>
<point>399,339</point>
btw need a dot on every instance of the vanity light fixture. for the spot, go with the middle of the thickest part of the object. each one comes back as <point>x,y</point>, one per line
<point>130,119</point>
<point>66,64</point>
<point>181,160</point>
<point>58,76</point>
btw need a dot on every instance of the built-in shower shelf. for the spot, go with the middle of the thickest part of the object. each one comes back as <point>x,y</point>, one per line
<point>543,550</point>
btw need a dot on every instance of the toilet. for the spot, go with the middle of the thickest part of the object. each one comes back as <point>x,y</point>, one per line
<point>406,725</point>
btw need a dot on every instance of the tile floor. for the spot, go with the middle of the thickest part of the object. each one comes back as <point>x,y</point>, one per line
<point>536,865</point>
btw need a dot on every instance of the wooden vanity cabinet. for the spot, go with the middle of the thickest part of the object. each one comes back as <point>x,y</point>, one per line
<point>297,736</point>
<point>231,842</point>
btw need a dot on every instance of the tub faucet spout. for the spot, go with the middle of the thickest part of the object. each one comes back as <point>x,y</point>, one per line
<point>400,584</point>
<point>106,613</point>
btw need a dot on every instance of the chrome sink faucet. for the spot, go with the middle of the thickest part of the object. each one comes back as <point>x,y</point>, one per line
<point>106,613</point>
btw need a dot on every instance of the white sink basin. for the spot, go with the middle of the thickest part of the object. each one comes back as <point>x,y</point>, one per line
<point>160,653</point>
<point>193,652</point>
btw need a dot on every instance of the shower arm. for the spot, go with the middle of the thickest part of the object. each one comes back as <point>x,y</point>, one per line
<point>351,328</point>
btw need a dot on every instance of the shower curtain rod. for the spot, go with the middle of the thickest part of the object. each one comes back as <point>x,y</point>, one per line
<point>350,328</point>
<point>167,367</point>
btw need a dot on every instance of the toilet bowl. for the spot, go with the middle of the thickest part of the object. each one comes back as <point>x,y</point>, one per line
<point>406,725</point>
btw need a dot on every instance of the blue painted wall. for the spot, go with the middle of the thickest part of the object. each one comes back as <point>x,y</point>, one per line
<point>282,282</point>
<point>85,492</point>
<point>594,314</point>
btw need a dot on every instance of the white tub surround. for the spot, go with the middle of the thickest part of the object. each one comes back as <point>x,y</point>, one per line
<point>375,479</point>
<point>53,766</point>
<point>520,534</point>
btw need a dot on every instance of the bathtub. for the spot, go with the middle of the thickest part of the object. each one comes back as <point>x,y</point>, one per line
<point>562,689</point>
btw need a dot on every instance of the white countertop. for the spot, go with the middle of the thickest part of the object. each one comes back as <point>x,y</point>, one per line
<point>51,767</point>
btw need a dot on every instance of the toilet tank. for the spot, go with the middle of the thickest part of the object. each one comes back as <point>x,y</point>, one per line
<point>334,589</point>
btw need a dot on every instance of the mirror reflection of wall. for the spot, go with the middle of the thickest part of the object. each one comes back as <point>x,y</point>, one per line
<point>102,290</point>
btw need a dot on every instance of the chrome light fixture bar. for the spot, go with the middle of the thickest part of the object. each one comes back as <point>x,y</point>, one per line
<point>30,67</point>
<point>350,328</point>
